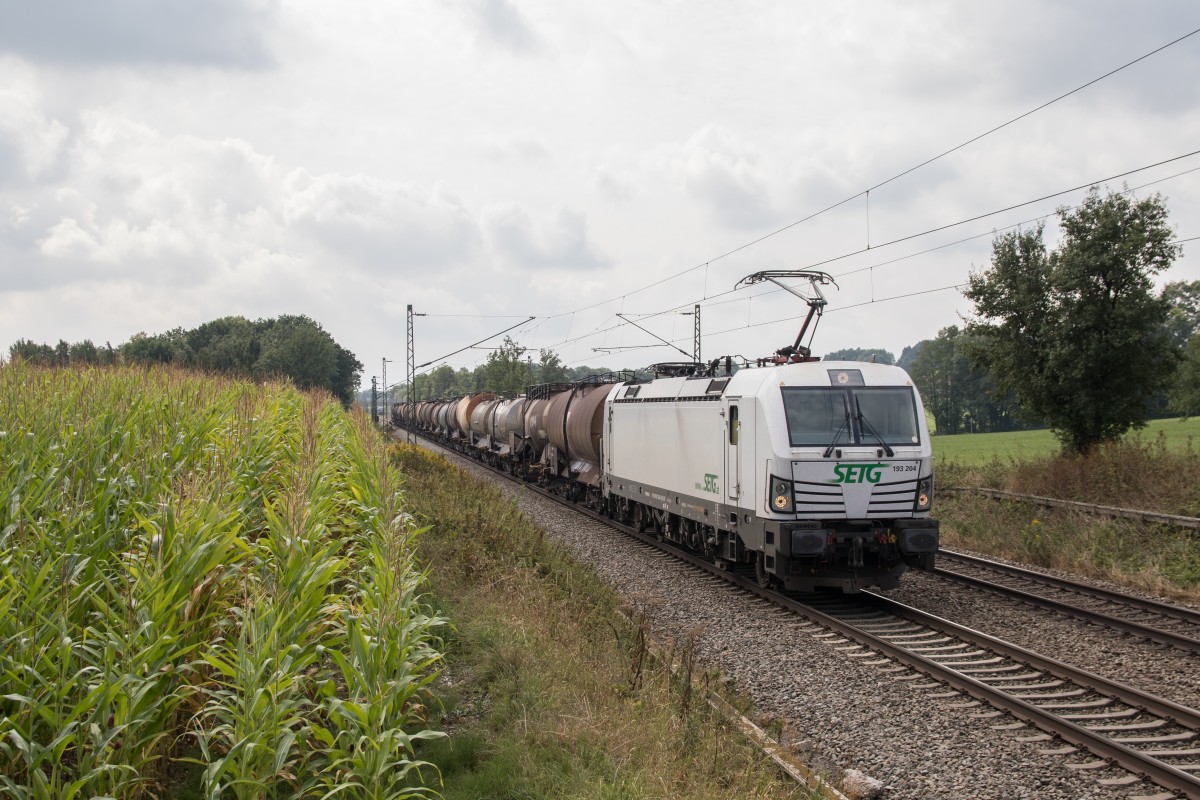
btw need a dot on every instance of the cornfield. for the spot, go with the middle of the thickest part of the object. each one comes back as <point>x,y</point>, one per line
<point>205,585</point>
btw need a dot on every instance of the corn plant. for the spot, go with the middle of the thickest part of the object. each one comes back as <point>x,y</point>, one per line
<point>191,561</point>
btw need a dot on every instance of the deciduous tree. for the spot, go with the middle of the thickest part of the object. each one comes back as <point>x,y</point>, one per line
<point>506,371</point>
<point>1078,334</point>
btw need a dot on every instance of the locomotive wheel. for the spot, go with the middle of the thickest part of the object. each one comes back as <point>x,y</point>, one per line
<point>761,576</point>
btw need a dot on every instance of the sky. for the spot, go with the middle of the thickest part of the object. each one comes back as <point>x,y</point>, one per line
<point>164,163</point>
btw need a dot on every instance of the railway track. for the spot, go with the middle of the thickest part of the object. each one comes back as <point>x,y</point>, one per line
<point>1079,714</point>
<point>1163,623</point>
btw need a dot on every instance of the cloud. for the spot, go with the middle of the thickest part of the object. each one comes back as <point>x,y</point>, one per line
<point>30,142</point>
<point>724,174</point>
<point>517,148</point>
<point>500,22</point>
<point>616,185</point>
<point>224,33</point>
<point>185,211</point>
<point>382,225</point>
<point>558,242</point>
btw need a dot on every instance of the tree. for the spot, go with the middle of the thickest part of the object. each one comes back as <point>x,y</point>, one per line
<point>1185,392</point>
<point>443,380</point>
<point>942,373</point>
<point>873,355</point>
<point>909,354</point>
<point>162,348</point>
<point>550,367</point>
<point>1184,318</point>
<point>84,352</point>
<point>31,352</point>
<point>505,372</point>
<point>1078,335</point>
<point>960,396</point>
<point>229,345</point>
<point>295,347</point>
<point>346,375</point>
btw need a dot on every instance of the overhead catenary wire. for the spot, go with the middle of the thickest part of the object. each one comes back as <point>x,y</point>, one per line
<point>468,347</point>
<point>910,237</point>
<point>863,193</point>
<point>897,176</point>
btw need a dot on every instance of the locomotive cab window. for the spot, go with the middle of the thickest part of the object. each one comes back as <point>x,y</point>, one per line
<point>891,411</point>
<point>734,426</point>
<point>820,417</point>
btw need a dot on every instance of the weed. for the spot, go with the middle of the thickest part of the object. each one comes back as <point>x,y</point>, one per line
<point>1152,473</point>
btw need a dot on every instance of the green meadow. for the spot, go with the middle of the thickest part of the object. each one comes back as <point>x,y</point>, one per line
<point>974,449</point>
<point>1150,470</point>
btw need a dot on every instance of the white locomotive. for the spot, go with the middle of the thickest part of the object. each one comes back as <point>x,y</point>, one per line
<point>813,474</point>
<point>816,473</point>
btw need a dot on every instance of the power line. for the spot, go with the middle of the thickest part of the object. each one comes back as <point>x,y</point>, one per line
<point>749,325</point>
<point>1006,227</point>
<point>1035,110</point>
<point>910,237</point>
<point>481,341</point>
<point>897,176</point>
<point>478,316</point>
<point>1002,210</point>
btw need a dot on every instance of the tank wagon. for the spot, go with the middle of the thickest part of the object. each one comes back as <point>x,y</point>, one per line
<point>810,473</point>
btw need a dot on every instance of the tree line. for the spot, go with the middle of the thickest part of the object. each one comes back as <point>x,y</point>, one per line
<point>508,370</point>
<point>293,347</point>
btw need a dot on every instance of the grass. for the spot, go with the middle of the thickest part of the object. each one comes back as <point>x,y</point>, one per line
<point>207,589</point>
<point>981,448</point>
<point>1152,471</point>
<point>548,688</point>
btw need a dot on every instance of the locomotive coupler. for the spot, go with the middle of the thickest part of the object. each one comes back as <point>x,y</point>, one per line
<point>855,559</point>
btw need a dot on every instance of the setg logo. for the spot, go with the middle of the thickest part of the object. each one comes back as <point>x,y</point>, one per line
<point>858,473</point>
<point>710,483</point>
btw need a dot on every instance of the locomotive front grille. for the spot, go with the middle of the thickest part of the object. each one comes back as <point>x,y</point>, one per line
<point>854,490</point>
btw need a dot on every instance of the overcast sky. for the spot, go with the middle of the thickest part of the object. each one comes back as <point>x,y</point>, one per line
<point>167,162</point>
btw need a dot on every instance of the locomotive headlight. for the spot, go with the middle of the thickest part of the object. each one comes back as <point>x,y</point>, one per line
<point>782,495</point>
<point>924,494</point>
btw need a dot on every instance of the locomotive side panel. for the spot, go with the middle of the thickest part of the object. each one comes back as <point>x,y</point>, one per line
<point>667,454</point>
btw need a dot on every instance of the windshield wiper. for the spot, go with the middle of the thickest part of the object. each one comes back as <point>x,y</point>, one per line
<point>865,423</point>
<point>836,435</point>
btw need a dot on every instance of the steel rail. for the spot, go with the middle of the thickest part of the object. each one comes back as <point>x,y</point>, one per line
<point>1180,613</point>
<point>1156,770</point>
<point>1114,512</point>
<point>1187,643</point>
<point>1130,759</point>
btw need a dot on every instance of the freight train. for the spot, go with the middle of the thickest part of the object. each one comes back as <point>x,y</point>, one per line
<point>809,473</point>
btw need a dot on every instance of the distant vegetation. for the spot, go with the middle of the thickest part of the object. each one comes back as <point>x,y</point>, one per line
<point>207,589</point>
<point>1077,335</point>
<point>1149,471</point>
<point>873,355</point>
<point>508,370</point>
<point>292,347</point>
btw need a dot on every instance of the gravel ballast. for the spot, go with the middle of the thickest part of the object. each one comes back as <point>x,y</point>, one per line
<point>841,713</point>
